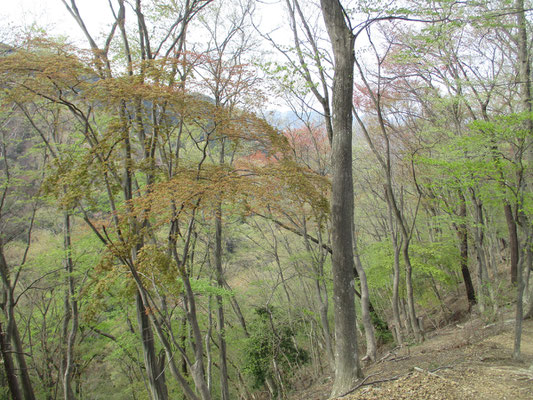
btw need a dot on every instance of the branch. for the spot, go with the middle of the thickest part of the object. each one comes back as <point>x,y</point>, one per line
<point>296,231</point>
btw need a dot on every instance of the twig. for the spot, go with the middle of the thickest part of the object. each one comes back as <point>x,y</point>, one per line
<point>399,358</point>
<point>364,383</point>
<point>389,354</point>
<point>427,372</point>
<point>358,385</point>
<point>394,378</point>
<point>384,357</point>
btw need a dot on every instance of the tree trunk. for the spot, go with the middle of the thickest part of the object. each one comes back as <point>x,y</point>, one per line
<point>347,370</point>
<point>237,310</point>
<point>513,240</point>
<point>484,285</point>
<point>155,376</point>
<point>12,331</point>
<point>393,206</point>
<point>462,233</point>
<point>525,92</point>
<point>197,369</point>
<point>322,294</point>
<point>324,321</point>
<point>9,366</point>
<point>528,286</point>
<point>396,283</point>
<point>224,387</point>
<point>370,336</point>
<point>208,357</point>
<point>71,313</point>
<point>413,320</point>
<point>519,311</point>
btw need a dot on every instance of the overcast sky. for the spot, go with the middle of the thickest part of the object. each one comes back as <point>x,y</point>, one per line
<point>53,16</point>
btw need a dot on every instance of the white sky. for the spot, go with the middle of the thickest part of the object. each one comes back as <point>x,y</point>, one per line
<point>17,16</point>
<point>52,16</point>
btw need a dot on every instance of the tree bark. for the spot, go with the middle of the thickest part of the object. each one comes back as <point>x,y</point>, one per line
<point>396,282</point>
<point>462,232</point>
<point>513,240</point>
<point>525,92</point>
<point>224,387</point>
<point>71,313</point>
<point>12,331</point>
<point>322,294</point>
<point>528,286</point>
<point>347,369</point>
<point>370,336</point>
<point>411,313</point>
<point>9,366</point>
<point>155,376</point>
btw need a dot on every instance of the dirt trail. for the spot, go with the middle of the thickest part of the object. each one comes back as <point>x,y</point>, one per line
<point>466,361</point>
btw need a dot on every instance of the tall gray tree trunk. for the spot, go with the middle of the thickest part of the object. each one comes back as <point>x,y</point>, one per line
<point>406,237</point>
<point>347,369</point>
<point>462,233</point>
<point>396,282</point>
<point>370,336</point>
<point>224,387</point>
<point>12,332</point>
<point>156,378</point>
<point>9,366</point>
<point>322,294</point>
<point>71,313</point>
<point>482,272</point>
<point>528,286</point>
<point>525,92</point>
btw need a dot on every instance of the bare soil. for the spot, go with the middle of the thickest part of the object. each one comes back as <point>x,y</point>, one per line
<point>469,360</point>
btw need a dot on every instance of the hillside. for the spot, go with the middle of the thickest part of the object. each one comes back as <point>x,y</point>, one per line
<point>467,360</point>
<point>163,236</point>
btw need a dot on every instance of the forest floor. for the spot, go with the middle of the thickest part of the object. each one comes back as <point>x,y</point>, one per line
<point>466,360</point>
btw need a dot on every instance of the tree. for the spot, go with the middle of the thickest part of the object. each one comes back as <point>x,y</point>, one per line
<point>16,181</point>
<point>524,72</point>
<point>347,369</point>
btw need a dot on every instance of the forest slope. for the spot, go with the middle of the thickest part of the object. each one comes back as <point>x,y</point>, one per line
<point>470,360</point>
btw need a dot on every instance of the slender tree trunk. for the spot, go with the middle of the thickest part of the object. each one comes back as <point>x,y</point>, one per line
<point>155,381</point>
<point>347,369</point>
<point>71,313</point>
<point>396,282</point>
<point>9,366</point>
<point>155,376</point>
<point>519,316</point>
<point>209,358</point>
<point>224,387</point>
<point>528,286</point>
<point>183,344</point>
<point>462,232</point>
<point>12,331</point>
<point>27,388</point>
<point>322,294</point>
<point>370,336</point>
<point>197,369</point>
<point>413,320</point>
<point>527,106</point>
<point>324,322</point>
<point>513,240</point>
<point>411,312</point>
<point>237,310</point>
<point>404,316</point>
<point>484,285</point>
